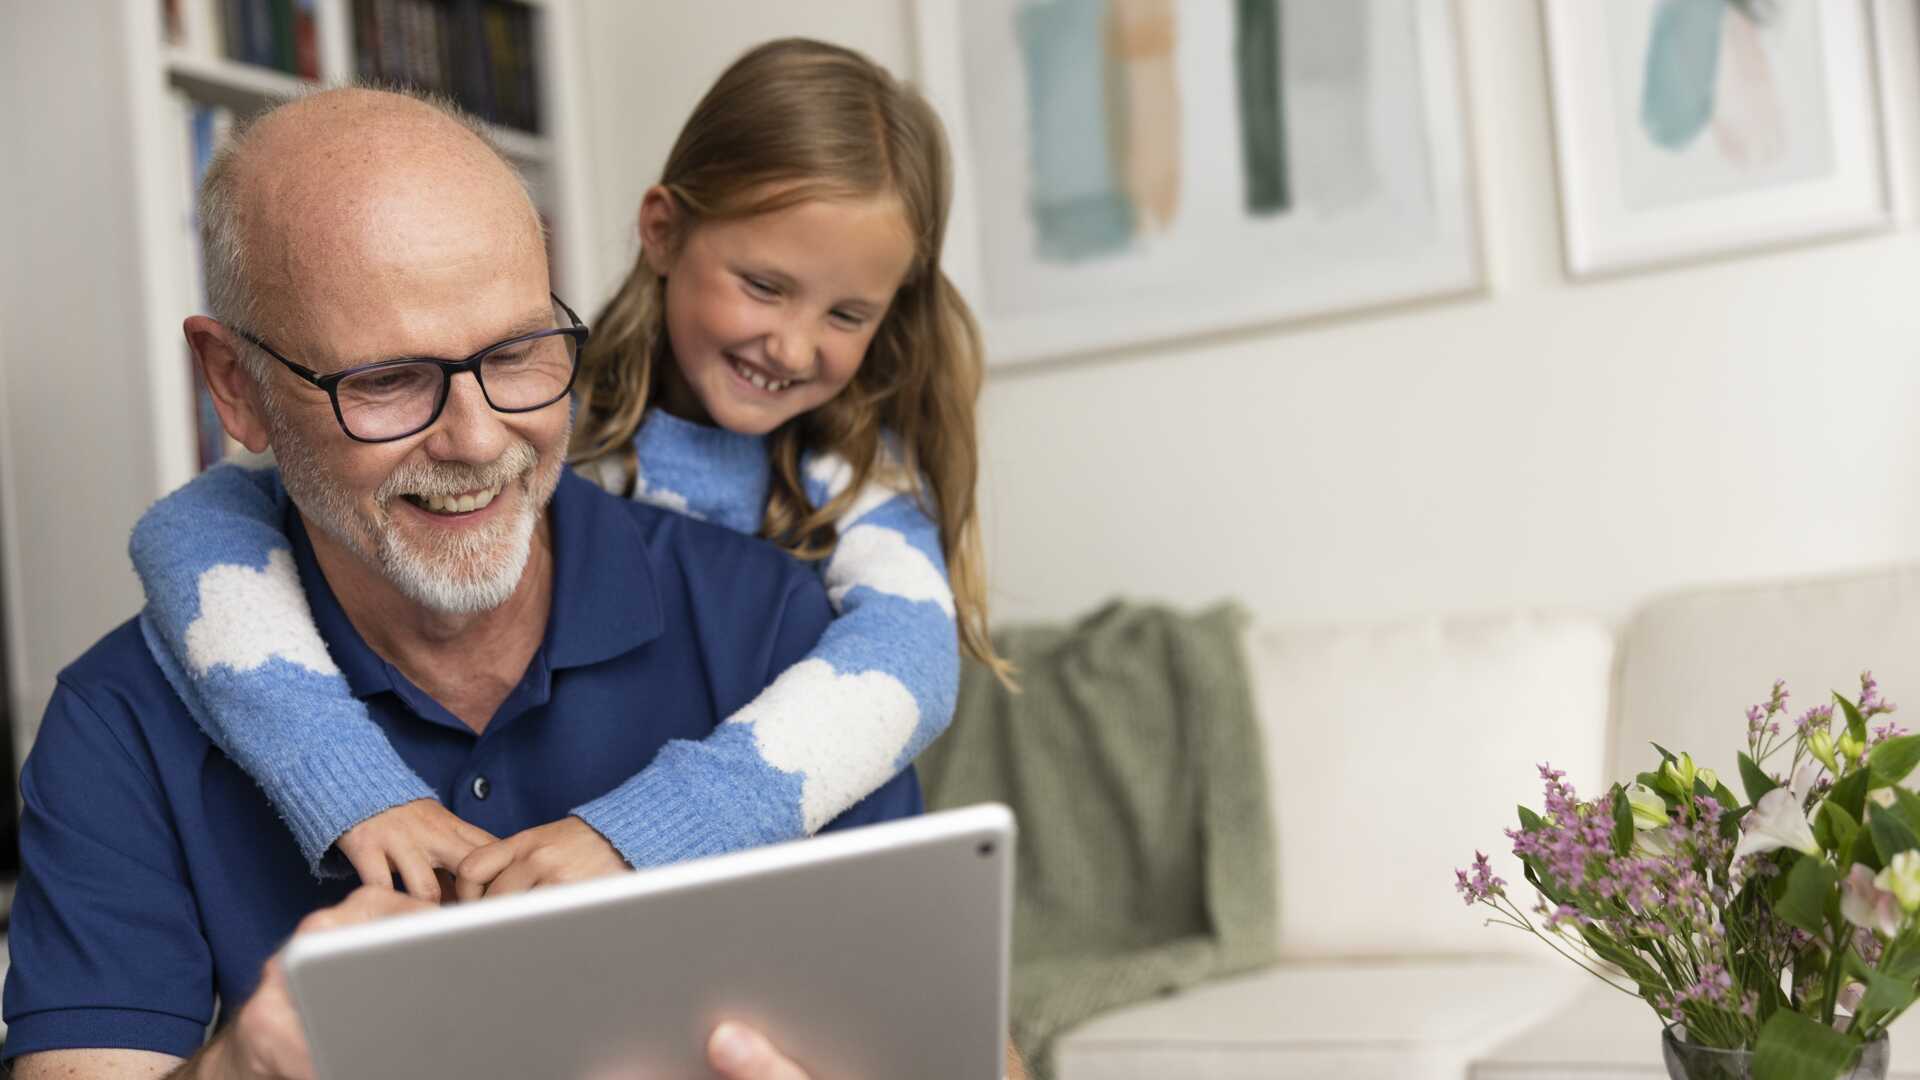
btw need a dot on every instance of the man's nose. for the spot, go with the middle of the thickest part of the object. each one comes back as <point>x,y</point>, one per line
<point>469,430</point>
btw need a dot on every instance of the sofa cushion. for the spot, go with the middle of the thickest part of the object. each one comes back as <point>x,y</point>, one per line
<point>1603,1034</point>
<point>1692,662</point>
<point>1386,1021</point>
<point>1395,751</point>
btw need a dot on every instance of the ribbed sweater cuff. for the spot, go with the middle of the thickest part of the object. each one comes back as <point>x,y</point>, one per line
<point>322,795</point>
<point>655,818</point>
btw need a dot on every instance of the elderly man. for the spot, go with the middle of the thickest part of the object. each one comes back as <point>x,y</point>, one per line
<point>157,880</point>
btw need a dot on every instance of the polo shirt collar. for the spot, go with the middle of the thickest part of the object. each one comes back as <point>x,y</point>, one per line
<point>604,603</point>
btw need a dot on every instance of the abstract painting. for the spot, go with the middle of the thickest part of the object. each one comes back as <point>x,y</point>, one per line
<point>1138,171</point>
<point>1690,128</point>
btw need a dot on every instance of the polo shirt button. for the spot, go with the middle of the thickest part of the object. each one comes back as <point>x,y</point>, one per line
<point>481,788</point>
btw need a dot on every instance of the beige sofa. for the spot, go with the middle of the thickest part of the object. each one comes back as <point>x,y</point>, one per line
<point>1395,751</point>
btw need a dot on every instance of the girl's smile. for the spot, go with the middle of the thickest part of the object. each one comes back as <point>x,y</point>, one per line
<point>770,316</point>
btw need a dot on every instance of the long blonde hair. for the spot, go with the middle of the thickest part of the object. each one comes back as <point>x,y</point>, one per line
<point>790,122</point>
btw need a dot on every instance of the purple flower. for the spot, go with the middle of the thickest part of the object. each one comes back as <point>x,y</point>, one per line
<point>1482,884</point>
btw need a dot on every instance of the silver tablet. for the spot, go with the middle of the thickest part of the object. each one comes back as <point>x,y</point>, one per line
<point>879,953</point>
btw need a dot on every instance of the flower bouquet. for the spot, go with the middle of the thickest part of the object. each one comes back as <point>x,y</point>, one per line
<point>1776,936</point>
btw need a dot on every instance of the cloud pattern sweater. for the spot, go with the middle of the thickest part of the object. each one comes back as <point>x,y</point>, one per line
<point>228,622</point>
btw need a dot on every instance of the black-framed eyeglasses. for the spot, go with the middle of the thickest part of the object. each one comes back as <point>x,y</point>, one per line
<point>392,399</point>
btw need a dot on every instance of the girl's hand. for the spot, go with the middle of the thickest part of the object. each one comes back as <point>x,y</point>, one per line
<point>411,840</point>
<point>566,850</point>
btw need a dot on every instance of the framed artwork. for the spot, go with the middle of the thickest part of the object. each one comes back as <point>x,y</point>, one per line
<point>1692,128</point>
<point>1142,171</point>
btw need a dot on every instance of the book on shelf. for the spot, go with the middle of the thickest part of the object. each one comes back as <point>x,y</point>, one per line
<point>283,35</point>
<point>480,53</point>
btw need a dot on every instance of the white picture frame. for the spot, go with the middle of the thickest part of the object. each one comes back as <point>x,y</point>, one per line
<point>1792,148</point>
<point>1413,235</point>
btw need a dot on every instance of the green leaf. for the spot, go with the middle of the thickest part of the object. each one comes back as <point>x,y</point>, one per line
<point>1666,755</point>
<point>1529,821</point>
<point>1754,779</point>
<point>1851,793</point>
<point>1907,805</point>
<point>1796,1047</point>
<point>1901,965</point>
<point>1834,828</point>
<point>1856,724</point>
<point>1537,878</point>
<point>1622,822</point>
<point>1885,993</point>
<point>1728,800</point>
<point>1891,835</point>
<point>1891,761</point>
<point>1730,824</point>
<point>1801,899</point>
<point>1864,853</point>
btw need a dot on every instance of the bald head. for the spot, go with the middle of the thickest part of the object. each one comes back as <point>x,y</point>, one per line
<point>332,201</point>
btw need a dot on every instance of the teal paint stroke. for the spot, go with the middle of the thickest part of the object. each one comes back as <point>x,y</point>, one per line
<point>1683,62</point>
<point>1079,205</point>
<point>1263,137</point>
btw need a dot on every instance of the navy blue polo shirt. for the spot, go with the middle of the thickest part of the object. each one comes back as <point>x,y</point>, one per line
<point>156,874</point>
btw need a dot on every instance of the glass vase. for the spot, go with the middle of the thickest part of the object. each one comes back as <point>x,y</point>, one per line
<point>1685,1061</point>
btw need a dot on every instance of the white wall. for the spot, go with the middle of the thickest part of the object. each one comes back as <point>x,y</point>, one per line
<point>1550,444</point>
<point>647,65</point>
<point>77,432</point>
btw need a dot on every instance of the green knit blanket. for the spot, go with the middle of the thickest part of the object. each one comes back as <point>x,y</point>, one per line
<point>1132,759</point>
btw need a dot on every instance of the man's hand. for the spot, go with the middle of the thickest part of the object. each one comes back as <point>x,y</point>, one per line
<point>737,1052</point>
<point>266,1040</point>
<point>567,850</point>
<point>411,840</point>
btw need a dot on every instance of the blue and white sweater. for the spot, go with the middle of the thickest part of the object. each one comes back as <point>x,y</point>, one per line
<point>228,622</point>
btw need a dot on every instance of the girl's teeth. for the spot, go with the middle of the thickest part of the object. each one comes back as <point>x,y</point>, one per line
<point>760,380</point>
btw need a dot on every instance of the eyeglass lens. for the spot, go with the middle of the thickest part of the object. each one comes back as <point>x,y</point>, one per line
<point>393,401</point>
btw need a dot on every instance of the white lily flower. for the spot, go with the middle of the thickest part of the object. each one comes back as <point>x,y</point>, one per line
<point>1864,903</point>
<point>1776,822</point>
<point>1902,879</point>
<point>1649,809</point>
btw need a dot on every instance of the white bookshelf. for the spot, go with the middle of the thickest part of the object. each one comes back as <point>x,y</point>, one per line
<point>97,415</point>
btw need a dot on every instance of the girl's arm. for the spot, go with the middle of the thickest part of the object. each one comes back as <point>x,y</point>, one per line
<point>228,622</point>
<point>875,690</point>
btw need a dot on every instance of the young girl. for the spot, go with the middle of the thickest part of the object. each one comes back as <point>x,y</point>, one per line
<point>786,358</point>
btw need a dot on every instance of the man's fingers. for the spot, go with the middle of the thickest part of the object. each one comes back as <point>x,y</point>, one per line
<point>368,904</point>
<point>476,836</point>
<point>517,878</point>
<point>478,870</point>
<point>417,873</point>
<point>738,1052</point>
<point>372,866</point>
<point>451,849</point>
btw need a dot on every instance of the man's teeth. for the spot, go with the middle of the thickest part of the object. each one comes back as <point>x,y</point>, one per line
<point>458,504</point>
<point>760,380</point>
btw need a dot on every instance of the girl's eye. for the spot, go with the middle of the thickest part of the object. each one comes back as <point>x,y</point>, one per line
<point>849,319</point>
<point>756,285</point>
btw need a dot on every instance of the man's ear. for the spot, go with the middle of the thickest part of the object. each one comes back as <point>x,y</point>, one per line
<point>236,397</point>
<point>660,228</point>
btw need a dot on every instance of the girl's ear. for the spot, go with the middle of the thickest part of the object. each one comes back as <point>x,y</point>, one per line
<point>660,224</point>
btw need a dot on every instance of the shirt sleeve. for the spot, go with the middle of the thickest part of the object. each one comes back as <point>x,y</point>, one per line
<point>107,951</point>
<point>228,622</point>
<point>846,712</point>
